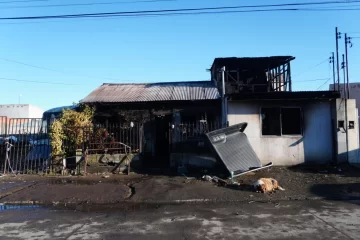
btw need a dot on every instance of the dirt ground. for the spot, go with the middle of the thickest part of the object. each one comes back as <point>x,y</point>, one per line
<point>301,183</point>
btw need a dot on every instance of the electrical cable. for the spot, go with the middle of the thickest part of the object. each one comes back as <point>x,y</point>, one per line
<point>23,1</point>
<point>177,10</point>
<point>330,68</point>
<point>311,68</point>
<point>87,4</point>
<point>311,80</point>
<point>31,81</point>
<point>58,71</point>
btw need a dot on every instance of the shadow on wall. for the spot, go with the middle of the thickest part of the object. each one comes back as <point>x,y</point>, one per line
<point>317,135</point>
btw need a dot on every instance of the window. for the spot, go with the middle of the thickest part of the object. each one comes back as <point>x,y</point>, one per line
<point>281,121</point>
<point>271,121</point>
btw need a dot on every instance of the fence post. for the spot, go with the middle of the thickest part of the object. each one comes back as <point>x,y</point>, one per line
<point>6,155</point>
<point>129,162</point>
<point>85,158</point>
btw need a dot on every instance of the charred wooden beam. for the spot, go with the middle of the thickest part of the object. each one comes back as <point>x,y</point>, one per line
<point>289,76</point>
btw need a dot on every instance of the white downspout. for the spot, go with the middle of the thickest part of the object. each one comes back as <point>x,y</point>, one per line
<point>224,102</point>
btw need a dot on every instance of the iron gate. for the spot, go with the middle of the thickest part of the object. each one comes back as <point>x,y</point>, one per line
<point>25,146</point>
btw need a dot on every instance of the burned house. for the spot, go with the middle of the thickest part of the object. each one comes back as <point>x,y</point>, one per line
<point>284,127</point>
<point>166,113</point>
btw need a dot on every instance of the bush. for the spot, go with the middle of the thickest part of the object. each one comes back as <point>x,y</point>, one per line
<point>71,130</point>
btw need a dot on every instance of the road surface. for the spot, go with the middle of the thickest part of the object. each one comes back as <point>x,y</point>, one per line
<point>281,220</point>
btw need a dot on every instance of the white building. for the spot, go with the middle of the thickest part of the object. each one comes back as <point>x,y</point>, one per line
<point>20,118</point>
<point>354,89</point>
<point>289,128</point>
<point>20,111</point>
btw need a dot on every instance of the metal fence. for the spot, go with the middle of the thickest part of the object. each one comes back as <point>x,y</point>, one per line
<point>25,146</point>
<point>116,134</point>
<point>189,137</point>
<point>190,130</point>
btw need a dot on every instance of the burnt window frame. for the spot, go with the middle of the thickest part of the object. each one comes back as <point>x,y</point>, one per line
<point>280,120</point>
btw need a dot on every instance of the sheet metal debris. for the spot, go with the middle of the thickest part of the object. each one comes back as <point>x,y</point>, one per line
<point>234,150</point>
<point>214,179</point>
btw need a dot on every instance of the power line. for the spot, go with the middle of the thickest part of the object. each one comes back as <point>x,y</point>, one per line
<point>178,14</point>
<point>111,17</point>
<point>311,68</point>
<point>342,6</point>
<point>87,4</point>
<point>326,80</point>
<point>32,81</point>
<point>23,1</point>
<point>58,71</point>
<point>104,14</point>
<point>312,80</point>
<point>323,84</point>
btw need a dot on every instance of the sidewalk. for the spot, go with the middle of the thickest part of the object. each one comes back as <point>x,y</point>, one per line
<point>300,183</point>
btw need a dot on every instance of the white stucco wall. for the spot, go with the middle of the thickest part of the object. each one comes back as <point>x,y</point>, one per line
<point>353,134</point>
<point>15,125</point>
<point>314,146</point>
<point>35,112</point>
<point>354,93</point>
<point>20,111</point>
<point>15,110</point>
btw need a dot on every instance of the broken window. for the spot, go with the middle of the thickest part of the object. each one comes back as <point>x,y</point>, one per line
<point>271,121</point>
<point>291,121</point>
<point>281,121</point>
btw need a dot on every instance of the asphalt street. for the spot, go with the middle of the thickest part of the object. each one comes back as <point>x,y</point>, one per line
<point>277,220</point>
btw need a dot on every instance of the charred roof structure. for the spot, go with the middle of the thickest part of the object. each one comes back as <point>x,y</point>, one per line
<point>153,92</point>
<point>253,74</point>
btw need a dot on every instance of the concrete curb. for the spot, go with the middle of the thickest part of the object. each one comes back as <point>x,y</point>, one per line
<point>170,202</point>
<point>15,190</point>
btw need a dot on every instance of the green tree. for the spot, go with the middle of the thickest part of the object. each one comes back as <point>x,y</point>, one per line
<point>70,131</point>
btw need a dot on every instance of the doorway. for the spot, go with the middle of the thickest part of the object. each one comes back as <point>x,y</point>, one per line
<point>162,142</point>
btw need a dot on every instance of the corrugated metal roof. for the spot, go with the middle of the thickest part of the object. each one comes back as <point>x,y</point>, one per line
<point>153,92</point>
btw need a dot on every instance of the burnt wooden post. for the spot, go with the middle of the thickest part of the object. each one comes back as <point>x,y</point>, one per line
<point>129,163</point>
<point>289,76</point>
<point>279,79</point>
<point>85,157</point>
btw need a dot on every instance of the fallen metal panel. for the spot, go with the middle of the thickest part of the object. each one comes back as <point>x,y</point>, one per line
<point>233,148</point>
<point>238,173</point>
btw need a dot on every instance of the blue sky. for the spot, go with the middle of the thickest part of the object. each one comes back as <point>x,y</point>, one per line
<point>152,49</point>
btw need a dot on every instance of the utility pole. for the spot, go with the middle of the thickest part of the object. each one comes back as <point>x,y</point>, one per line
<point>344,71</point>
<point>337,36</point>
<point>332,60</point>
<point>347,41</point>
<point>346,111</point>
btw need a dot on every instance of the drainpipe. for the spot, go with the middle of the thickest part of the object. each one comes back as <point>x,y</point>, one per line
<point>224,111</point>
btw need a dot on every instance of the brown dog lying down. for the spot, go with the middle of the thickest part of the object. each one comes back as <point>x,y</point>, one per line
<point>267,185</point>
